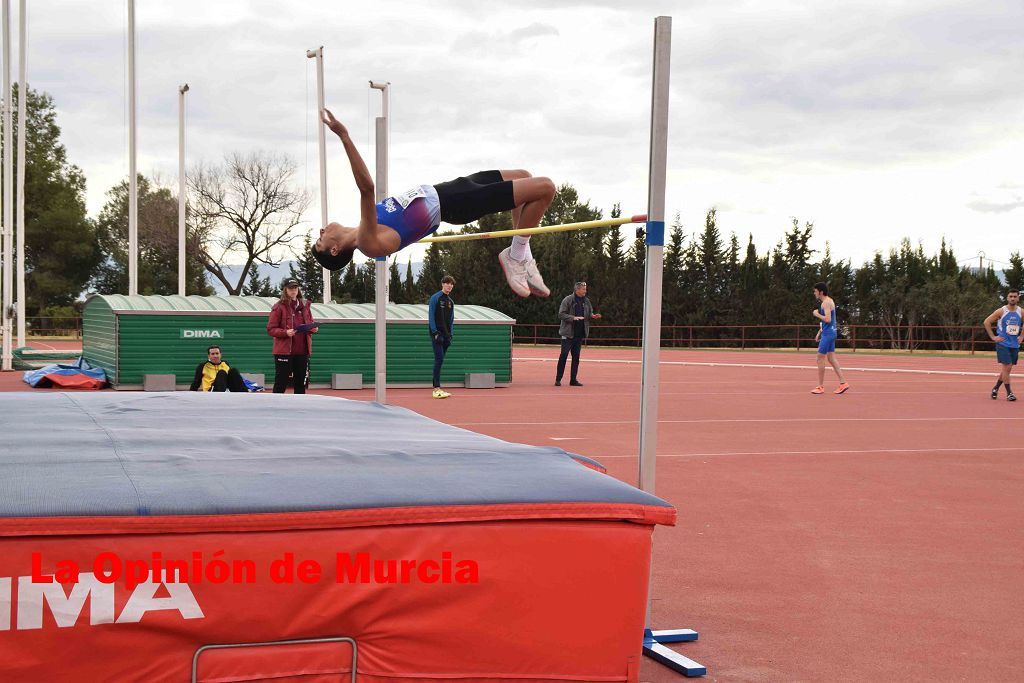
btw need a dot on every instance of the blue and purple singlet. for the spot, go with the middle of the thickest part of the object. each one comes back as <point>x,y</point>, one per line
<point>414,214</point>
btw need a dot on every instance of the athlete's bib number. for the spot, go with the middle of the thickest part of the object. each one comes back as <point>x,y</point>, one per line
<point>407,197</point>
<point>1013,330</point>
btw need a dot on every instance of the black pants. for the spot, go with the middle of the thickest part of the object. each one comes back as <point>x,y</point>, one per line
<point>296,367</point>
<point>569,345</point>
<point>229,381</point>
<point>470,198</point>
<point>441,345</point>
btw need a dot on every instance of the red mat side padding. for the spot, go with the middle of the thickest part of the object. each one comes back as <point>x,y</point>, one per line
<point>554,600</point>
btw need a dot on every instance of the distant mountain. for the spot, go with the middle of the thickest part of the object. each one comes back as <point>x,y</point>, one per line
<point>280,272</point>
<point>232,272</point>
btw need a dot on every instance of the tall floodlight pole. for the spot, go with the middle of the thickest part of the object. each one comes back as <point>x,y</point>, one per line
<point>655,257</point>
<point>7,351</point>
<point>380,378</point>
<point>181,188</point>
<point>22,132</point>
<point>133,190</point>
<point>318,54</point>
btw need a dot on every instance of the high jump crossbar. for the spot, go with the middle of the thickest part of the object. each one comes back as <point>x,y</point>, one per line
<point>565,227</point>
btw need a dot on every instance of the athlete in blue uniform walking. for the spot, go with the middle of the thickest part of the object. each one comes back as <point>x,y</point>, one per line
<point>826,339</point>
<point>1008,337</point>
<point>400,220</point>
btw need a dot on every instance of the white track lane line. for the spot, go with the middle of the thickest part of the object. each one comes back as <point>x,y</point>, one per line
<point>738,420</point>
<point>777,367</point>
<point>843,452</point>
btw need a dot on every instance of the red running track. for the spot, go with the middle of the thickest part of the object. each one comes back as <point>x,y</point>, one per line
<point>876,535</point>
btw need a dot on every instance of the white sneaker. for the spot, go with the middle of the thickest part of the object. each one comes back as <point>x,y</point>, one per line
<point>534,280</point>
<point>441,393</point>
<point>515,273</point>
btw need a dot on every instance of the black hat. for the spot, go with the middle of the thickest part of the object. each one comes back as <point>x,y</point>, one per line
<point>291,282</point>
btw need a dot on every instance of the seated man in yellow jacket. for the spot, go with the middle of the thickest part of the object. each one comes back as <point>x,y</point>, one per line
<point>216,375</point>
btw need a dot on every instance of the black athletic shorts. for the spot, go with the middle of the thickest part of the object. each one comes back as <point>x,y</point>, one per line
<point>472,197</point>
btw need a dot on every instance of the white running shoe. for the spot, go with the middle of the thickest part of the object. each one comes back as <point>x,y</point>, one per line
<point>534,280</point>
<point>515,273</point>
<point>441,393</point>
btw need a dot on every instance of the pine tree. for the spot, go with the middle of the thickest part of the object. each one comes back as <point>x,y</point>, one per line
<point>409,286</point>
<point>1015,273</point>
<point>434,268</point>
<point>257,286</point>
<point>674,252</point>
<point>308,271</point>
<point>395,291</point>
<point>61,250</point>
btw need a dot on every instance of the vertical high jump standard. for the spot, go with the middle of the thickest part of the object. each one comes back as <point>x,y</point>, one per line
<point>653,646</point>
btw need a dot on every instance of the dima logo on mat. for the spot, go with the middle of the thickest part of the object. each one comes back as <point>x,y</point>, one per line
<point>202,334</point>
<point>66,608</point>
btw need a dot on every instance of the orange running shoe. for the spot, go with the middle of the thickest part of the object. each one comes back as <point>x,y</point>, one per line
<point>842,388</point>
<point>818,390</point>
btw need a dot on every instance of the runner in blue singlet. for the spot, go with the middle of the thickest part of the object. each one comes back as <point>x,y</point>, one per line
<point>826,338</point>
<point>1008,336</point>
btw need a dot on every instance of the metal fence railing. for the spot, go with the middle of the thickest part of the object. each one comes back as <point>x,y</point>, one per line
<point>968,339</point>
<point>54,327</point>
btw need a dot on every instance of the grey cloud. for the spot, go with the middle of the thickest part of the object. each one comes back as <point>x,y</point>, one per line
<point>758,90</point>
<point>896,84</point>
<point>534,30</point>
<point>989,206</point>
<point>1004,198</point>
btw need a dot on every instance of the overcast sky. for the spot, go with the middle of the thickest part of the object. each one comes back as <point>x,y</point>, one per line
<point>873,120</point>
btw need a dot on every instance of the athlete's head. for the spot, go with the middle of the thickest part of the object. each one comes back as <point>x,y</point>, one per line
<point>1013,297</point>
<point>334,248</point>
<point>447,284</point>
<point>213,354</point>
<point>820,290</point>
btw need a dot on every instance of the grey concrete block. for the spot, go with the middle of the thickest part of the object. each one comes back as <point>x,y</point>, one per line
<point>158,383</point>
<point>346,381</point>
<point>479,380</point>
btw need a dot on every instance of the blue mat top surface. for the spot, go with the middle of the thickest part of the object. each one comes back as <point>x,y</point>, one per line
<point>185,453</point>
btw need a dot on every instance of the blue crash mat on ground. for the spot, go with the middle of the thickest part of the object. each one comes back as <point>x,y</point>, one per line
<point>200,453</point>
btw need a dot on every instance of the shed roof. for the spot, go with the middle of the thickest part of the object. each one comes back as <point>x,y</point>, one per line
<point>261,305</point>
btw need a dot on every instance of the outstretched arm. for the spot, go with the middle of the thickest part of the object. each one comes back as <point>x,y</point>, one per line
<point>364,181</point>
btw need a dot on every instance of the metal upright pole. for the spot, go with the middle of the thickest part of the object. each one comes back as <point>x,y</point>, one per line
<point>181,189</point>
<point>7,351</point>
<point>133,190</point>
<point>318,54</point>
<point>380,379</point>
<point>22,132</point>
<point>653,640</point>
<point>655,254</point>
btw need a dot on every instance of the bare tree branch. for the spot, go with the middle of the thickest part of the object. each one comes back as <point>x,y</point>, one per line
<point>244,208</point>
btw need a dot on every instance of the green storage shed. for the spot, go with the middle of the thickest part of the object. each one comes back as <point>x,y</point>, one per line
<point>133,336</point>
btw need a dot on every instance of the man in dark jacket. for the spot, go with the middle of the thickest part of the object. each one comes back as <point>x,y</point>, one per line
<point>216,375</point>
<point>441,318</point>
<point>574,316</point>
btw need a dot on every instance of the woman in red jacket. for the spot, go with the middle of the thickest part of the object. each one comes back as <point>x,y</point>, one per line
<point>291,325</point>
